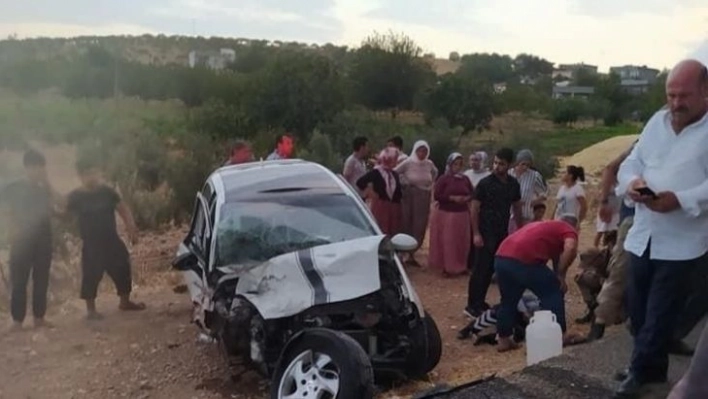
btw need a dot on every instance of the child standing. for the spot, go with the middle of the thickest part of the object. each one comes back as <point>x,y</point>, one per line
<point>539,212</point>
<point>94,205</point>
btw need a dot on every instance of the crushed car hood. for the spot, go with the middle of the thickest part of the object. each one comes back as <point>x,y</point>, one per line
<point>291,283</point>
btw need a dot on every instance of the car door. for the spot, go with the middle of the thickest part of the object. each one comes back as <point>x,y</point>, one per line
<point>193,260</point>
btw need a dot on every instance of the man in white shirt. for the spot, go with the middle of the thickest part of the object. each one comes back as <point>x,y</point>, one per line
<point>670,231</point>
<point>355,165</point>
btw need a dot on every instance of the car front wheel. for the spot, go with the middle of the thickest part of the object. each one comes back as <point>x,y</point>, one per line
<point>324,364</point>
<point>427,349</point>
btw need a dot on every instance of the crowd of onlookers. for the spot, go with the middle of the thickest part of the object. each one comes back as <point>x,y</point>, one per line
<point>648,264</point>
<point>484,217</point>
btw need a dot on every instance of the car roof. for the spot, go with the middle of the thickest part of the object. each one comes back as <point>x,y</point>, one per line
<point>263,178</point>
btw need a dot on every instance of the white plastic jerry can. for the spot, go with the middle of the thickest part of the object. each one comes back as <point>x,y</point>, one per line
<point>544,337</point>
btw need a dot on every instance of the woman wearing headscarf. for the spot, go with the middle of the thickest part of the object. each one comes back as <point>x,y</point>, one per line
<point>382,187</point>
<point>478,167</point>
<point>533,187</point>
<point>451,235</point>
<point>417,173</point>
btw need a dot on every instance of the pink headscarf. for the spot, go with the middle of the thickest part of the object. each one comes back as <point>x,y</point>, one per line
<point>388,159</point>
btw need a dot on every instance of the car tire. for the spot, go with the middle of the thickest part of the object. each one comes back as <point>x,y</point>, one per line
<point>344,370</point>
<point>427,349</point>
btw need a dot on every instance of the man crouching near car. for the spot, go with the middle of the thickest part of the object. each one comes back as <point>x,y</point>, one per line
<point>521,264</point>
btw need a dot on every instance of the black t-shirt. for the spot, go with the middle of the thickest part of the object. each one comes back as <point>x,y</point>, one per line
<point>95,211</point>
<point>30,207</point>
<point>496,196</point>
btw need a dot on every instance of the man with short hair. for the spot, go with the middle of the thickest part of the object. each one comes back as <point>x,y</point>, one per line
<point>283,148</point>
<point>669,238</point>
<point>240,153</point>
<point>397,143</point>
<point>521,264</point>
<point>355,165</point>
<point>29,204</point>
<point>94,205</point>
<point>493,199</point>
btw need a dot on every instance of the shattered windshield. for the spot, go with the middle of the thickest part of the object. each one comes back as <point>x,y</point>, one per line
<point>277,223</point>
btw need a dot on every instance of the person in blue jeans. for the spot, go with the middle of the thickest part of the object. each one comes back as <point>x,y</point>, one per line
<point>521,264</point>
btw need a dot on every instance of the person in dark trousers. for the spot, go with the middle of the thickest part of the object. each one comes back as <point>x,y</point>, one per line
<point>29,204</point>
<point>94,205</point>
<point>494,198</point>
<point>669,237</point>
<point>521,264</point>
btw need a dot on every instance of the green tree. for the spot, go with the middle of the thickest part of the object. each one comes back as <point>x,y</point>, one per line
<point>252,58</point>
<point>462,102</point>
<point>387,72</point>
<point>296,91</point>
<point>610,89</point>
<point>489,68</point>
<point>568,111</point>
<point>531,66</point>
<point>525,98</point>
<point>653,99</point>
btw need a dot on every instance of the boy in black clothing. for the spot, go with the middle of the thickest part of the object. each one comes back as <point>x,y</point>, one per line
<point>494,198</point>
<point>94,205</point>
<point>29,204</point>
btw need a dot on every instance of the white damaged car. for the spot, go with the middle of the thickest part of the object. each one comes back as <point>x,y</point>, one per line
<point>289,272</point>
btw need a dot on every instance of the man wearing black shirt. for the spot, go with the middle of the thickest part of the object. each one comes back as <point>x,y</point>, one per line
<point>29,203</point>
<point>494,198</point>
<point>94,206</point>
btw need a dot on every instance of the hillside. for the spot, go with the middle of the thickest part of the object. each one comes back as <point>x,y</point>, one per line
<point>168,50</point>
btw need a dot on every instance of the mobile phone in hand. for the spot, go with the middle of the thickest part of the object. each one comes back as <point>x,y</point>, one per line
<point>647,192</point>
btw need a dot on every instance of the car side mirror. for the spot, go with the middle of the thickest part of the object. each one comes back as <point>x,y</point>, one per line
<point>185,259</point>
<point>404,243</point>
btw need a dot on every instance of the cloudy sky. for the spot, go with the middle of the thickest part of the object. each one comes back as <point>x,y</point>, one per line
<point>601,32</point>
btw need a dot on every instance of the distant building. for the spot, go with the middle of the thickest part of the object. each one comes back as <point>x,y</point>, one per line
<point>567,91</point>
<point>635,79</point>
<point>212,59</point>
<point>569,71</point>
<point>442,66</point>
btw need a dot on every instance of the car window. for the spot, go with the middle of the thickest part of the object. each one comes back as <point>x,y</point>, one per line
<point>208,191</point>
<point>199,234</point>
<point>257,230</point>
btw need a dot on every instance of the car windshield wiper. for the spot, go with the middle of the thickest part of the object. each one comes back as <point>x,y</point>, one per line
<point>285,190</point>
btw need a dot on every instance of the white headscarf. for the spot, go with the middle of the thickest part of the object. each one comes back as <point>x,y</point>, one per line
<point>450,160</point>
<point>418,144</point>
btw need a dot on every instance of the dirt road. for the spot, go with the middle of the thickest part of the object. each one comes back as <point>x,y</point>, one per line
<point>157,354</point>
<point>154,354</point>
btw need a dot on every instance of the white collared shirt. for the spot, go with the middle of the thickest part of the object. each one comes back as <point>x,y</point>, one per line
<point>670,162</point>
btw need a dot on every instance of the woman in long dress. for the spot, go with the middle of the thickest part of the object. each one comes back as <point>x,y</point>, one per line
<point>417,173</point>
<point>382,187</point>
<point>451,233</point>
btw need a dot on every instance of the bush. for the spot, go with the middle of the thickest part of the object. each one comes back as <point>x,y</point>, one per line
<point>567,111</point>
